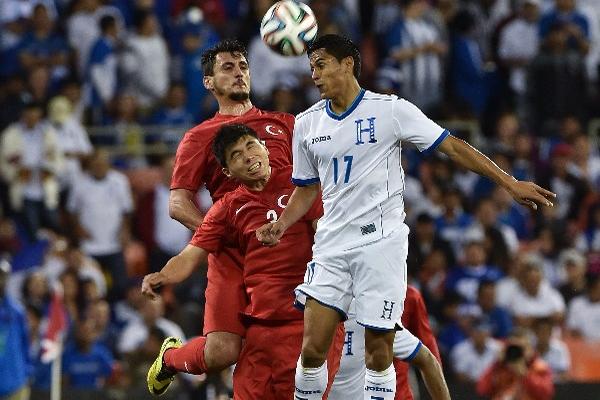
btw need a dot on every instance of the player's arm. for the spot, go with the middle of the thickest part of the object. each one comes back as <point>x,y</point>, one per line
<point>177,269</point>
<point>300,202</point>
<point>526,193</point>
<point>183,208</point>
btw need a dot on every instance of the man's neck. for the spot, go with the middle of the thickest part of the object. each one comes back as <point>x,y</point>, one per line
<point>341,103</point>
<point>235,108</point>
<point>259,185</point>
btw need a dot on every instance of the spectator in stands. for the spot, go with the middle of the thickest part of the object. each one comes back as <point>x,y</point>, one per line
<point>512,214</point>
<point>35,291</point>
<point>100,204</point>
<point>473,356</point>
<point>465,279</point>
<point>172,117</point>
<point>468,74</point>
<point>501,239</point>
<point>556,81</point>
<point>551,349</point>
<point>499,319</point>
<point>136,332</point>
<point>30,161</point>
<point>146,62</point>
<point>14,357</point>
<point>453,223</point>
<point>423,241</point>
<point>129,133</point>
<point>589,238</point>
<point>415,49</point>
<point>41,45</point>
<point>73,140</point>
<point>197,38</point>
<point>38,84</point>
<point>534,297</point>
<point>13,97</point>
<point>575,23</point>
<point>585,163</point>
<point>163,236</point>
<point>86,363</point>
<point>518,374</point>
<point>518,45</point>
<point>573,265</point>
<point>101,69</point>
<point>583,318</point>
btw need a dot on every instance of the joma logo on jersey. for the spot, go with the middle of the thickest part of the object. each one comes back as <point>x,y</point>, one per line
<point>321,139</point>
<point>360,130</point>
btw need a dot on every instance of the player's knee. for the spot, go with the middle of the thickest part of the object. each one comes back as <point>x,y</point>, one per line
<point>313,356</point>
<point>222,350</point>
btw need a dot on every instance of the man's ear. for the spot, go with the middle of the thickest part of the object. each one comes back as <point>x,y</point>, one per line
<point>226,172</point>
<point>349,63</point>
<point>208,83</point>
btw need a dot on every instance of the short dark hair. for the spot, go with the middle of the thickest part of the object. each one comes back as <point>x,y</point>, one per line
<point>226,136</point>
<point>224,46</point>
<point>107,22</point>
<point>340,47</point>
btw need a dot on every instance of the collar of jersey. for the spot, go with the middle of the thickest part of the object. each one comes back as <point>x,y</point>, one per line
<point>343,115</point>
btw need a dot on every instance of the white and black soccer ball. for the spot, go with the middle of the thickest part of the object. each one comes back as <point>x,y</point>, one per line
<point>288,27</point>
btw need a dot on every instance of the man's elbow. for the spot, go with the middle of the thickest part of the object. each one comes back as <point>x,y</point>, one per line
<point>175,209</point>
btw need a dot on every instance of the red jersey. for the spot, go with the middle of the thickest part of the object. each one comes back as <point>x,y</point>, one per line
<point>195,163</point>
<point>270,273</point>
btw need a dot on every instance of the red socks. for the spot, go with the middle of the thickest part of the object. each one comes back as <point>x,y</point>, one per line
<point>188,358</point>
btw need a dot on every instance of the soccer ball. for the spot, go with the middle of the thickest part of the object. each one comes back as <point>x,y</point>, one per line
<point>288,27</point>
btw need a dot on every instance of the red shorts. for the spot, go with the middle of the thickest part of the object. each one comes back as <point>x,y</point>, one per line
<point>266,367</point>
<point>225,293</point>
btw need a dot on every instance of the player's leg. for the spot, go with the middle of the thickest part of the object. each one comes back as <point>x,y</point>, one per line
<point>320,325</point>
<point>349,380</point>
<point>379,271</point>
<point>432,374</point>
<point>253,371</point>
<point>326,295</point>
<point>220,348</point>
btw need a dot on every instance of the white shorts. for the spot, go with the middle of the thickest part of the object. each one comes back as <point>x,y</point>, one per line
<point>350,378</point>
<point>374,274</point>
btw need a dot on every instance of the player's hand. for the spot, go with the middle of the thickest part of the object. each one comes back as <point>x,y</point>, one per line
<point>269,234</point>
<point>152,282</point>
<point>530,194</point>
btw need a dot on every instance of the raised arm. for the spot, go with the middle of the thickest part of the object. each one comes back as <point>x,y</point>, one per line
<point>177,269</point>
<point>300,202</point>
<point>526,193</point>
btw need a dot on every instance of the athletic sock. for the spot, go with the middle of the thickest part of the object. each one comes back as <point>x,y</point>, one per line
<point>310,382</point>
<point>380,385</point>
<point>187,358</point>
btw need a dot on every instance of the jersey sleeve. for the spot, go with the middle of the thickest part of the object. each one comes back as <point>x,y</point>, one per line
<point>411,125</point>
<point>190,163</point>
<point>305,170</point>
<point>213,232</point>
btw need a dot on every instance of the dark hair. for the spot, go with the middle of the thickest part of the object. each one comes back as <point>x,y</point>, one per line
<point>224,46</point>
<point>228,135</point>
<point>340,47</point>
<point>107,22</point>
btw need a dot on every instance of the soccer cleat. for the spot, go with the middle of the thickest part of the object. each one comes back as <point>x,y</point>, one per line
<point>159,376</point>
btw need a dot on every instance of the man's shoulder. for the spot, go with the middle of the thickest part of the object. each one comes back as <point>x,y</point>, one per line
<point>374,96</point>
<point>312,111</point>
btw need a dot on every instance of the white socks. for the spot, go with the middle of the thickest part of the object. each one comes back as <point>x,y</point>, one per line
<point>311,382</point>
<point>380,385</point>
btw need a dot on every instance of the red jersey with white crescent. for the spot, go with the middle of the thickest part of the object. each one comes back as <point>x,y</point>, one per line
<point>270,273</point>
<point>196,165</point>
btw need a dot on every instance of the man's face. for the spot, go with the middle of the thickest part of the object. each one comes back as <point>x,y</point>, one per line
<point>231,77</point>
<point>328,73</point>
<point>247,160</point>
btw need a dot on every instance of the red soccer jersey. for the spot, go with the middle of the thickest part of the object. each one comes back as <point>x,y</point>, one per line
<point>195,163</point>
<point>270,273</point>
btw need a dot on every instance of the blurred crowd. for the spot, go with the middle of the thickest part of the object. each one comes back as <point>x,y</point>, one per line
<point>505,287</point>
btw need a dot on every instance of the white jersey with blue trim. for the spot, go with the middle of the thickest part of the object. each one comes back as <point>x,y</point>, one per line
<point>356,158</point>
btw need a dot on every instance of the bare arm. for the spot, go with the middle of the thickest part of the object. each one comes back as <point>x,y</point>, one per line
<point>177,269</point>
<point>526,193</point>
<point>300,202</point>
<point>183,209</point>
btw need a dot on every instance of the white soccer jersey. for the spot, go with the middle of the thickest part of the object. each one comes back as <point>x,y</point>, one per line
<point>356,157</point>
